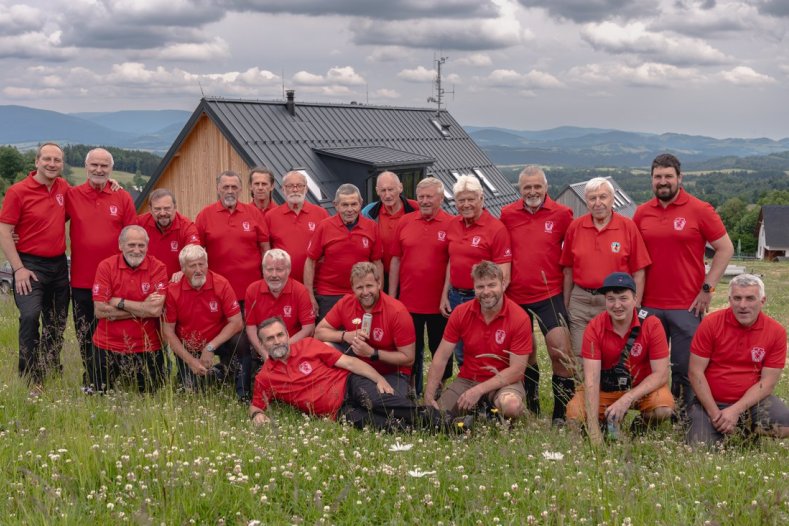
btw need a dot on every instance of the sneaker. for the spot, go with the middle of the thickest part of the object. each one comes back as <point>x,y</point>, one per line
<point>558,423</point>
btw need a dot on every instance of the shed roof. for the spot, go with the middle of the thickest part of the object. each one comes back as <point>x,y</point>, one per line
<point>775,219</point>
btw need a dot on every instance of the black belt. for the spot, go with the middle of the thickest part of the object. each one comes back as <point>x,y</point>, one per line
<point>464,292</point>
<point>593,292</point>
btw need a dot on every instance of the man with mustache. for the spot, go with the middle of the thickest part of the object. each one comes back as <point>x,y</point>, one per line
<point>128,295</point>
<point>168,230</point>
<point>201,316</point>
<point>292,224</point>
<point>676,228</point>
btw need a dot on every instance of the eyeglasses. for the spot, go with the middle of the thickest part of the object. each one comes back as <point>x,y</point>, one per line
<point>295,186</point>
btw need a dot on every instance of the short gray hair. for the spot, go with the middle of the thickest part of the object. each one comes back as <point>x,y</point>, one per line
<point>159,193</point>
<point>530,171</point>
<point>87,155</point>
<point>747,280</point>
<point>276,254</point>
<point>347,189</point>
<point>229,173</point>
<point>430,181</point>
<point>467,183</point>
<point>125,233</point>
<point>596,183</point>
<point>191,253</point>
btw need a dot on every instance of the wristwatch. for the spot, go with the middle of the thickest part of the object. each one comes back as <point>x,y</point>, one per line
<point>374,357</point>
<point>707,288</point>
<point>209,347</point>
<point>122,304</point>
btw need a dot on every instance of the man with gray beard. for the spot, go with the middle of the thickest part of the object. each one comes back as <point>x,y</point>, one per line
<point>201,316</point>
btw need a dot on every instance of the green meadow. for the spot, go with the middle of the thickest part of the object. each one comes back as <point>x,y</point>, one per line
<point>175,458</point>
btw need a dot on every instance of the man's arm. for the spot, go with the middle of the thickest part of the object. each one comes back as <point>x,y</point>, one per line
<point>402,356</point>
<point>309,280</point>
<point>394,276</point>
<point>701,387</point>
<point>380,266</point>
<point>22,276</point>
<point>639,279</point>
<point>356,366</point>
<point>264,247</point>
<point>232,327</point>
<point>567,285</point>
<point>444,306</point>
<point>254,340</point>
<point>436,371</point>
<point>151,307</point>
<point>724,250</point>
<point>506,269</point>
<point>304,332</point>
<point>655,380</point>
<point>728,417</point>
<point>592,399</point>
<point>326,332</point>
<point>168,331</point>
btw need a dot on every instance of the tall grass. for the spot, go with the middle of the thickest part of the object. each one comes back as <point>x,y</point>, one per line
<point>175,458</point>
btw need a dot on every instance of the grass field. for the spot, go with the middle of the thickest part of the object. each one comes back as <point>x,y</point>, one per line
<point>173,458</point>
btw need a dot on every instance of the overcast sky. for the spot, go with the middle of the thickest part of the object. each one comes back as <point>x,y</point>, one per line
<point>711,67</point>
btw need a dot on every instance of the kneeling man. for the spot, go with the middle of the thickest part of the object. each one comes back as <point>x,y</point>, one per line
<point>736,359</point>
<point>497,341</point>
<point>625,360</point>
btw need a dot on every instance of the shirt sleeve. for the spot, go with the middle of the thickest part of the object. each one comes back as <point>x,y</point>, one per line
<point>304,306</point>
<point>102,284</point>
<point>566,260</point>
<point>377,251</point>
<point>171,306</point>
<point>712,227</point>
<point>500,245</point>
<point>12,208</point>
<point>640,255</point>
<point>591,348</point>
<point>396,249</point>
<point>702,343</point>
<point>315,246</point>
<point>521,341</point>
<point>230,304</point>
<point>159,275</point>
<point>191,235</point>
<point>262,229</point>
<point>403,325</point>
<point>452,330</point>
<point>129,211</point>
<point>776,355</point>
<point>251,313</point>
<point>655,338</point>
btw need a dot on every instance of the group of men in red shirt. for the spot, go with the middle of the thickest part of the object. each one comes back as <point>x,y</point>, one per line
<point>550,265</point>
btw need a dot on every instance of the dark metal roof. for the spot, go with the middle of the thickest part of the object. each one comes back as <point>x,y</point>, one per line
<point>264,132</point>
<point>776,226</point>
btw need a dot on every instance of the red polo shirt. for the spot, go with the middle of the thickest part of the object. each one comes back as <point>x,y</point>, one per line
<point>602,343</point>
<point>292,233</point>
<point>392,327</point>
<point>199,315</point>
<point>340,250</point>
<point>423,249</point>
<point>737,354</point>
<point>594,254</point>
<point>676,237</point>
<point>166,245</point>
<point>271,206</point>
<point>387,229</point>
<point>115,279</point>
<point>293,305</point>
<point>232,241</point>
<point>38,214</point>
<point>488,345</point>
<point>96,220</point>
<point>536,248</point>
<point>487,239</point>
<point>307,379</point>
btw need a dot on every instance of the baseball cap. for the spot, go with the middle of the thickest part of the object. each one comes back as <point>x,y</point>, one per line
<point>617,280</point>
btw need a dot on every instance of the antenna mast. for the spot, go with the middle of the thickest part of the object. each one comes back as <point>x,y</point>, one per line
<point>440,91</point>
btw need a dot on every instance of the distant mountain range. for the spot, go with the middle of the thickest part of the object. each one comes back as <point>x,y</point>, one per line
<point>566,146</point>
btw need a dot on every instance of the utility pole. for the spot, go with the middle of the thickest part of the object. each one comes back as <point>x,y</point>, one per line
<point>439,89</point>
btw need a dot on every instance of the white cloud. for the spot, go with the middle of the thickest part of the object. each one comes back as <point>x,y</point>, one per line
<point>215,49</point>
<point>477,60</point>
<point>745,76</point>
<point>35,45</point>
<point>635,38</point>
<point>385,93</point>
<point>508,78</point>
<point>389,54</point>
<point>18,18</point>
<point>336,76</point>
<point>418,74</point>
<point>650,74</point>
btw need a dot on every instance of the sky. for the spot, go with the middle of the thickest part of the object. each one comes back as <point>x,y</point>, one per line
<point>706,67</point>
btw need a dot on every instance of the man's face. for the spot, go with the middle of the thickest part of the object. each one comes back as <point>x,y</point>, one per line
<point>665,182</point>
<point>49,163</point>
<point>489,293</point>
<point>429,199</point>
<point>367,290</point>
<point>196,271</point>
<point>228,189</point>
<point>746,304</point>
<point>533,190</point>
<point>134,248</point>
<point>295,189</point>
<point>600,202</point>
<point>349,207</point>
<point>275,340</point>
<point>98,167</point>
<point>388,189</point>
<point>163,211</point>
<point>620,304</point>
<point>261,186</point>
<point>469,204</point>
<point>275,272</point>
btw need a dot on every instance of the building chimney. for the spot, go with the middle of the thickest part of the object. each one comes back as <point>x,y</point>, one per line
<point>290,105</point>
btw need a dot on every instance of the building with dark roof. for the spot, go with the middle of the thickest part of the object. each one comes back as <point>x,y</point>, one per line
<point>331,144</point>
<point>773,228</point>
<point>573,196</point>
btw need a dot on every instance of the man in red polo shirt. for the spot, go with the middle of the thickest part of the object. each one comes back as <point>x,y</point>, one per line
<point>420,253</point>
<point>617,377</point>
<point>387,211</point>
<point>201,315</point>
<point>97,215</point>
<point>537,225</point>
<point>168,230</point>
<point>292,224</point>
<point>595,245</point>
<point>388,343</point>
<point>498,341</point>
<point>736,359</point>
<point>261,184</point>
<point>474,236</point>
<point>338,243</point>
<point>35,209</point>
<point>676,228</point>
<point>128,295</point>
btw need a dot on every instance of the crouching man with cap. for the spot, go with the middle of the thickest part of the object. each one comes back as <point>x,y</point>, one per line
<point>626,363</point>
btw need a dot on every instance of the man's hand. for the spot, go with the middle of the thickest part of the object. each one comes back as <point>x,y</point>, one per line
<point>383,386</point>
<point>207,358</point>
<point>431,400</point>
<point>315,308</point>
<point>153,302</point>
<point>444,307</point>
<point>726,420</point>
<point>114,185</point>
<point>359,345</point>
<point>260,418</point>
<point>197,367</point>
<point>176,277</point>
<point>618,409</point>
<point>23,280</point>
<point>469,399</point>
<point>701,305</point>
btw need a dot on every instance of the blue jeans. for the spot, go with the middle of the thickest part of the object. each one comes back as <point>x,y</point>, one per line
<point>459,297</point>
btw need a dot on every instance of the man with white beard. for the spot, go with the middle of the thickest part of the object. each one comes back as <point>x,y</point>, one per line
<point>201,316</point>
<point>292,223</point>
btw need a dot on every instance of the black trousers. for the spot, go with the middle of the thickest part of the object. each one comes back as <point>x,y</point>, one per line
<point>364,405</point>
<point>147,370</point>
<point>435,324</point>
<point>47,305</point>
<point>226,370</point>
<point>84,326</point>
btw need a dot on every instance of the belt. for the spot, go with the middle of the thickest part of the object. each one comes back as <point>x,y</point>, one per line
<point>463,292</point>
<point>593,292</point>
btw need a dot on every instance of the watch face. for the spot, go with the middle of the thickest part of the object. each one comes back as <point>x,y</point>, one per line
<point>705,287</point>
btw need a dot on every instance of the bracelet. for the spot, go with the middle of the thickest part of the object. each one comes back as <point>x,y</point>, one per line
<point>342,337</point>
<point>256,413</point>
<point>18,269</point>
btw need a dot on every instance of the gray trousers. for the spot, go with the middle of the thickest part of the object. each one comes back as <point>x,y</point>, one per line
<point>769,413</point>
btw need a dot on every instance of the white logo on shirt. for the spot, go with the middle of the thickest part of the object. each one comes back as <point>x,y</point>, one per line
<point>287,310</point>
<point>679,223</point>
<point>616,247</point>
<point>757,354</point>
<point>245,226</point>
<point>500,336</point>
<point>442,236</point>
<point>365,242</point>
<point>146,287</point>
<point>174,246</point>
<point>549,227</point>
<point>311,226</point>
<point>475,241</point>
<point>59,199</point>
<point>96,288</point>
<point>636,350</point>
<point>305,368</point>
<point>113,210</point>
<point>378,334</point>
<point>214,306</point>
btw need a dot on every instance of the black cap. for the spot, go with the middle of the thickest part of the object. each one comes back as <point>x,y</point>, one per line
<point>617,280</point>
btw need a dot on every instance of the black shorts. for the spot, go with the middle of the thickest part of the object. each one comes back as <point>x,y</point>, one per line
<point>550,313</point>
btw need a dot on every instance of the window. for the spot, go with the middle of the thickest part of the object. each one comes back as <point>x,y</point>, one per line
<point>483,178</point>
<point>443,129</point>
<point>313,187</point>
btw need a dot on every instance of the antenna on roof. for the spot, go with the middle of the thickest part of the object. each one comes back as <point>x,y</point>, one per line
<point>202,93</point>
<point>439,90</point>
<point>283,82</point>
